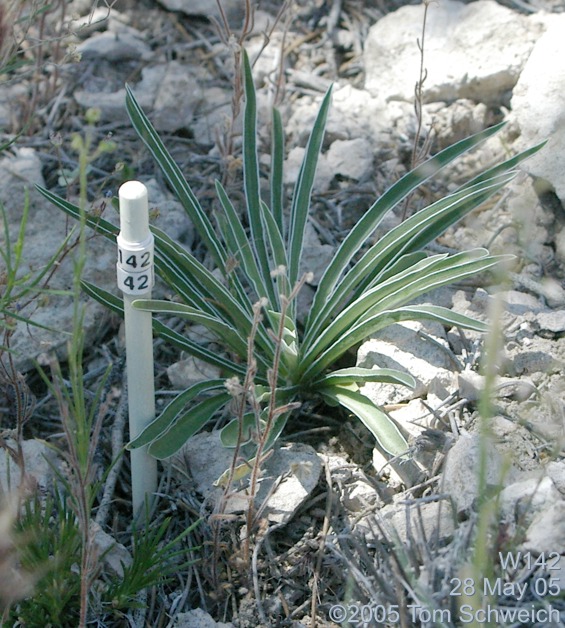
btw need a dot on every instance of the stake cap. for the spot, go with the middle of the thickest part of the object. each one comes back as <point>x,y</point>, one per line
<point>134,211</point>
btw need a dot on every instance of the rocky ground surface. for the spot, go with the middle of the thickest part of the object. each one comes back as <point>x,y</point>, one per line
<point>344,526</point>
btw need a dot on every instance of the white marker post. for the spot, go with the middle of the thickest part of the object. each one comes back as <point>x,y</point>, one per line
<point>135,280</point>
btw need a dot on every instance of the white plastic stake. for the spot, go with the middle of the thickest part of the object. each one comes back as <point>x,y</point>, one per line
<point>135,280</point>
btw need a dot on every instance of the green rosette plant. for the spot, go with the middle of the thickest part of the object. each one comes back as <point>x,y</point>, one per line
<point>251,309</point>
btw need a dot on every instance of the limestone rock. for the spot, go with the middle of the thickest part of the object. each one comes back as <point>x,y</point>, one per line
<point>537,106</point>
<point>473,51</point>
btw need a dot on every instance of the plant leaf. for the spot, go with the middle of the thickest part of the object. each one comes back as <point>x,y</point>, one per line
<point>277,170</point>
<point>410,235</point>
<point>225,332</point>
<point>303,190</point>
<point>359,375</point>
<point>251,179</point>
<point>163,423</point>
<point>370,220</point>
<point>174,176</point>
<point>359,316</point>
<point>186,426</point>
<point>229,433</point>
<point>381,426</point>
<point>115,304</point>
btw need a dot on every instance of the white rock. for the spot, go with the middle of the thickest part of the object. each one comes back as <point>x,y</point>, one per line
<point>537,105</point>
<point>556,471</point>
<point>359,496</point>
<point>521,501</point>
<point>546,533</point>
<point>351,158</point>
<point>553,322</point>
<point>288,476</point>
<point>474,51</point>
<point>424,522</point>
<point>115,555</point>
<point>400,347</point>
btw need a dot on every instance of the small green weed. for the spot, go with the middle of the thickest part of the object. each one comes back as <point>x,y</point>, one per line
<point>48,544</point>
<point>366,287</point>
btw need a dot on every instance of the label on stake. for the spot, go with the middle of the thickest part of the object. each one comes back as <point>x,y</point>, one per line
<point>135,265</point>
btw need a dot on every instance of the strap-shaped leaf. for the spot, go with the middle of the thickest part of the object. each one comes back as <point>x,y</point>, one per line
<point>186,426</point>
<point>359,375</point>
<point>172,411</point>
<point>229,434</point>
<point>381,426</point>
<point>371,312</point>
<point>239,244</point>
<point>505,166</point>
<point>115,304</point>
<point>303,190</point>
<point>226,333</point>
<point>275,238</point>
<point>186,275</point>
<point>379,321</point>
<point>397,290</point>
<point>277,170</point>
<point>97,223</point>
<point>174,176</point>
<point>410,235</point>
<point>251,179</point>
<point>394,195</point>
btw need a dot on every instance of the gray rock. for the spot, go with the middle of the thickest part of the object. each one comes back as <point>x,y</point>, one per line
<point>288,476</point>
<point>115,46</point>
<point>315,255</point>
<point>460,477</point>
<point>111,104</point>
<point>178,97</point>
<point>472,386</point>
<point>205,8</point>
<point>419,522</point>
<point>187,372</point>
<point>537,105</point>
<point>45,232</point>
<point>198,618</point>
<point>473,51</point>
<point>40,461</point>
<point>324,174</point>
<point>553,322</point>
